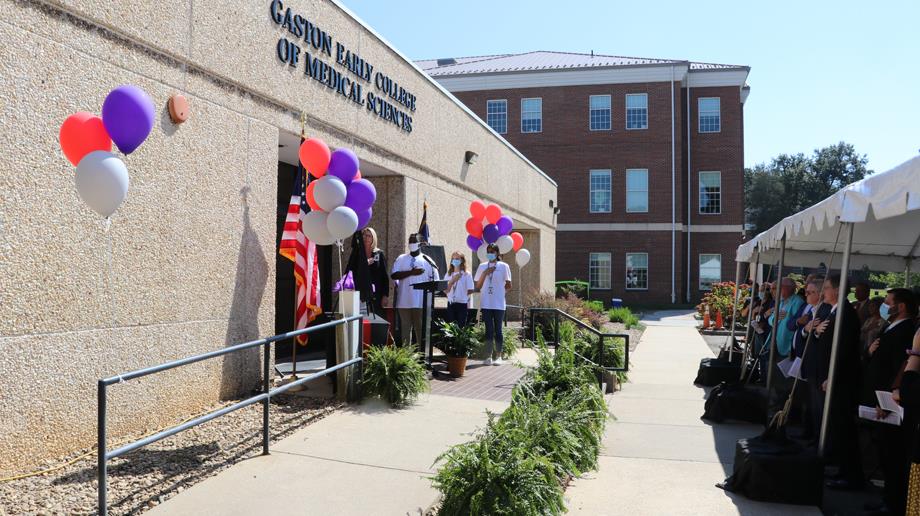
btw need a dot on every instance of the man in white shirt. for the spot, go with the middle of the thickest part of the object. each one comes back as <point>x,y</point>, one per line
<point>409,269</point>
<point>493,279</point>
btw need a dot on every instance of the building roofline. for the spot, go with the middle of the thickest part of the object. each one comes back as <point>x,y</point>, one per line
<point>443,90</point>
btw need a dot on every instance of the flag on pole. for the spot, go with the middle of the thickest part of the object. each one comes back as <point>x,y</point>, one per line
<point>423,234</point>
<point>295,246</point>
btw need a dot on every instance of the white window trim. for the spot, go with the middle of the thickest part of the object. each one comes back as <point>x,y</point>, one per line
<point>699,121</point>
<point>699,188</point>
<point>609,271</point>
<point>506,114</point>
<point>626,271</point>
<point>522,115</point>
<point>609,109</point>
<point>626,113</point>
<point>626,177</point>
<point>609,175</point>
<point>699,271</point>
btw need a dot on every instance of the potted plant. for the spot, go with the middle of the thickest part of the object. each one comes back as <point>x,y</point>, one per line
<point>458,343</point>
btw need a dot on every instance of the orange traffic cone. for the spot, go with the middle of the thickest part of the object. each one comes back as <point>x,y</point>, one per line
<point>706,321</point>
<point>719,320</point>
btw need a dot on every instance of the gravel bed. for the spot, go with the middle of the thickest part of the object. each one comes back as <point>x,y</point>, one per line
<point>634,333</point>
<point>148,476</point>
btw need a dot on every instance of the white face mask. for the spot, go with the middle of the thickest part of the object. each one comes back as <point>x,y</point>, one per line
<point>413,247</point>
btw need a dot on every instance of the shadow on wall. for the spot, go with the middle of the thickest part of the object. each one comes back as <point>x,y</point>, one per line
<point>241,371</point>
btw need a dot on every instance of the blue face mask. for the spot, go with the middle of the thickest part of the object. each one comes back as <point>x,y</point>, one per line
<point>491,257</point>
<point>884,311</point>
<point>455,262</point>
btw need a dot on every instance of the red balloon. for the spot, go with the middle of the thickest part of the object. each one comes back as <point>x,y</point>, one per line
<point>518,240</point>
<point>474,227</point>
<point>477,209</point>
<point>315,156</point>
<point>493,213</point>
<point>81,134</point>
<point>310,200</point>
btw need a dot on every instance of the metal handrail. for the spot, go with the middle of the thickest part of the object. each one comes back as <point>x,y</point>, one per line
<point>599,334</point>
<point>265,397</point>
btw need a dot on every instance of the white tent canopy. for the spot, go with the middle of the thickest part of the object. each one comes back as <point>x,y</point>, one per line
<point>885,210</point>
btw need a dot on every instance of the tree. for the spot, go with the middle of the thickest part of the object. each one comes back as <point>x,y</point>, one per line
<point>793,182</point>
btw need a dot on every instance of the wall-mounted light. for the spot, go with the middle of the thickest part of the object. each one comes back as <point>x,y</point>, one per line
<point>556,210</point>
<point>470,157</point>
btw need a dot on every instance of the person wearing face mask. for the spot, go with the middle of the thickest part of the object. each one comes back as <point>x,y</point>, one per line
<point>411,268</point>
<point>377,263</point>
<point>459,287</point>
<point>493,279</point>
<point>887,355</point>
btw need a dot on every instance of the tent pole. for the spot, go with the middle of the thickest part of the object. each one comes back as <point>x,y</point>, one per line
<point>835,341</point>
<point>747,332</point>
<point>778,295</point>
<point>907,274</point>
<point>731,339</point>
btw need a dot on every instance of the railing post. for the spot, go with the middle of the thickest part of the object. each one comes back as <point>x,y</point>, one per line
<point>102,473</point>
<point>626,352</point>
<point>600,359</point>
<point>556,339</point>
<point>533,326</point>
<point>266,388</point>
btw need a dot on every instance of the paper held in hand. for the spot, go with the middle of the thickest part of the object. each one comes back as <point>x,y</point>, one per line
<point>791,368</point>
<point>894,412</point>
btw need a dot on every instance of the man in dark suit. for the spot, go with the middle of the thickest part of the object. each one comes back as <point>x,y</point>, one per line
<point>804,397</point>
<point>842,436</point>
<point>887,357</point>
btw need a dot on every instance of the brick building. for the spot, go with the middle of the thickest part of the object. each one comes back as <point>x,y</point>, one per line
<point>651,196</point>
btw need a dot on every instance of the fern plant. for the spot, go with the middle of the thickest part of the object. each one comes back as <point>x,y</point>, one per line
<point>395,374</point>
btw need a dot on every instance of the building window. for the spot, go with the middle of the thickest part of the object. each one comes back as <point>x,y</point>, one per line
<point>497,115</point>
<point>636,271</point>
<point>710,193</point>
<point>599,271</point>
<point>531,115</point>
<point>600,201</point>
<point>710,114</point>
<point>710,270</point>
<point>637,111</point>
<point>637,190</point>
<point>599,112</point>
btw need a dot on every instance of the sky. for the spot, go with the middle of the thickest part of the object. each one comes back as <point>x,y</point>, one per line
<point>821,71</point>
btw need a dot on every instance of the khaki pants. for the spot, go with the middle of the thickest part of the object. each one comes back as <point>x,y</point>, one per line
<point>410,319</point>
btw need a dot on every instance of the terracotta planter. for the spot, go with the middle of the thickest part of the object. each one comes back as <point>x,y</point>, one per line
<point>456,366</point>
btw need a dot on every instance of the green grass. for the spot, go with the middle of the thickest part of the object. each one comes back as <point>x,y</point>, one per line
<point>624,315</point>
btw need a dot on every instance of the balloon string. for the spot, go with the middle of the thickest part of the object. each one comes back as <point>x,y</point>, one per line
<point>110,297</point>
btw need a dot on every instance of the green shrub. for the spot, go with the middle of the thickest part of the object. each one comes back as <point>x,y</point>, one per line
<point>594,306</point>
<point>511,341</point>
<point>456,340</point>
<point>614,352</point>
<point>497,473</point>
<point>625,316</point>
<point>395,374</point>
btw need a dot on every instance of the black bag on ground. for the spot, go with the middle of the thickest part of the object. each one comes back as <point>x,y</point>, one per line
<point>736,401</point>
<point>714,371</point>
<point>772,468</point>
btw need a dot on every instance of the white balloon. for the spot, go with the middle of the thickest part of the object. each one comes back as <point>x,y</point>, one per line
<point>505,244</point>
<point>481,253</point>
<point>314,227</point>
<point>102,182</point>
<point>329,192</point>
<point>342,222</point>
<point>522,257</point>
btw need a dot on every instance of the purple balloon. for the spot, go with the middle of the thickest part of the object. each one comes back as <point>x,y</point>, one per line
<point>473,242</point>
<point>128,114</point>
<point>343,165</point>
<point>505,225</point>
<point>361,195</point>
<point>490,233</point>
<point>364,217</point>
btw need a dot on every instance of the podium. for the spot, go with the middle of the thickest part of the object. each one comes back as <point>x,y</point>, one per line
<point>428,289</point>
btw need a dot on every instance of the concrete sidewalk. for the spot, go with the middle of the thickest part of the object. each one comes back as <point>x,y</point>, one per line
<point>364,459</point>
<point>659,457</point>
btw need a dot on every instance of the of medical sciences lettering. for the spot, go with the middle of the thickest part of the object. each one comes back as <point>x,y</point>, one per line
<point>315,47</point>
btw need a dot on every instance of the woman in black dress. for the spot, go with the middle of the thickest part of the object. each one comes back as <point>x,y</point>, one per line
<point>908,395</point>
<point>377,262</point>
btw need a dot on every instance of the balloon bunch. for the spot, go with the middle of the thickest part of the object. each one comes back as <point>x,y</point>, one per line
<point>488,226</point>
<point>102,178</point>
<point>341,200</point>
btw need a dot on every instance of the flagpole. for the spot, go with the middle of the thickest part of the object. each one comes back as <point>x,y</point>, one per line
<point>294,342</point>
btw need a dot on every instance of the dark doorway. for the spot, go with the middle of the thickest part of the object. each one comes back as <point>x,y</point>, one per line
<point>320,344</point>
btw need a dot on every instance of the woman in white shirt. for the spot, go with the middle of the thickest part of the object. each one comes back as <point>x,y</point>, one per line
<point>493,279</point>
<point>459,288</point>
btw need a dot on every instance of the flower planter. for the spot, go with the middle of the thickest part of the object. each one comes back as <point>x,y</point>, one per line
<point>456,366</point>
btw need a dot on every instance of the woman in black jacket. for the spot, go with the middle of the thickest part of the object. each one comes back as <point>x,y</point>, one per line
<point>908,395</point>
<point>377,263</point>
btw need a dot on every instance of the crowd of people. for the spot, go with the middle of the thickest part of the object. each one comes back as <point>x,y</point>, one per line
<point>491,280</point>
<point>878,352</point>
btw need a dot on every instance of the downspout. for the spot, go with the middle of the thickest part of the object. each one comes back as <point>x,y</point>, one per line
<point>689,185</point>
<point>673,197</point>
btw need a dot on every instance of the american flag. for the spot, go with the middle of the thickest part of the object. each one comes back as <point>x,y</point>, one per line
<point>296,247</point>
